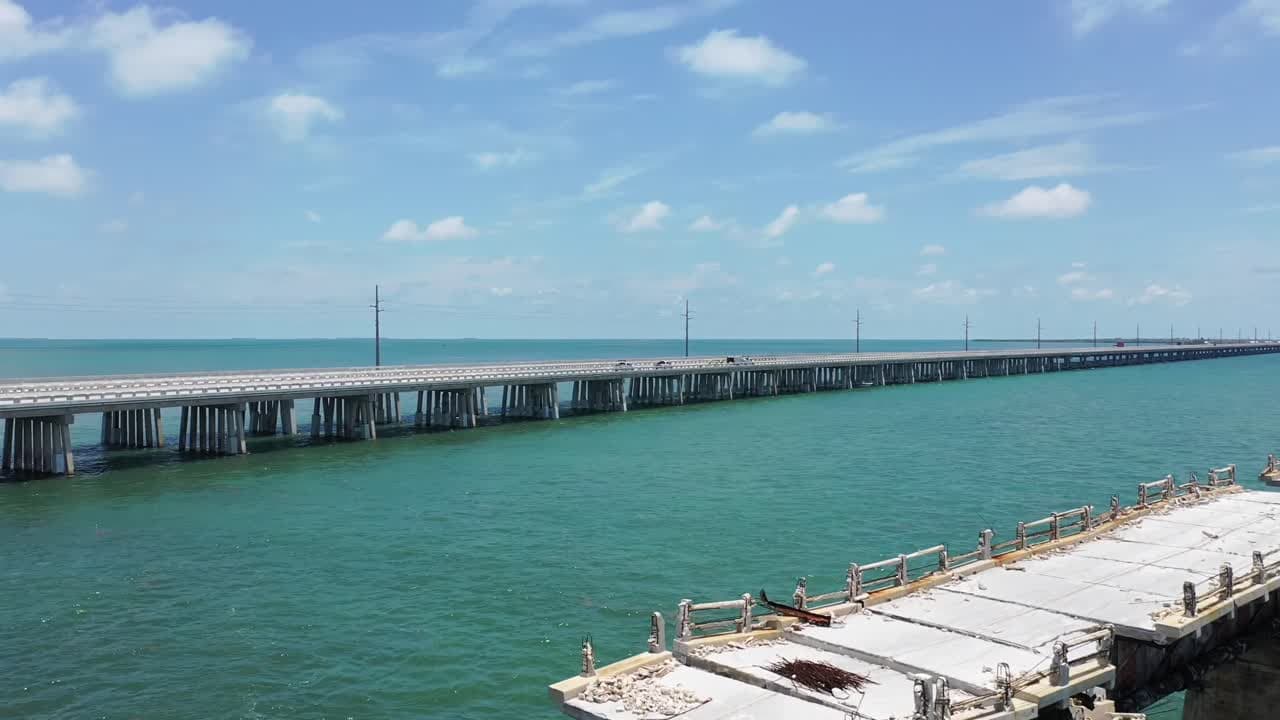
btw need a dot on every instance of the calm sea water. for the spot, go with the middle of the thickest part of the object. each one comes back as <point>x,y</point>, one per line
<point>452,575</point>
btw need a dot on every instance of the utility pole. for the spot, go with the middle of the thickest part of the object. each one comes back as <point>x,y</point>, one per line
<point>1095,333</point>
<point>1037,333</point>
<point>857,338</point>
<point>1170,333</point>
<point>686,327</point>
<point>1137,336</point>
<point>377,327</point>
<point>966,333</point>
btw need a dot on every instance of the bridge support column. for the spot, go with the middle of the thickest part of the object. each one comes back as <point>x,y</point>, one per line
<point>38,445</point>
<point>132,428</point>
<point>386,408</point>
<point>349,417</point>
<point>213,430</point>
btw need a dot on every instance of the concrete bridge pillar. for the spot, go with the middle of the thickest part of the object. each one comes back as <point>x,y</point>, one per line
<point>349,417</point>
<point>132,428</point>
<point>213,429</point>
<point>267,417</point>
<point>38,445</point>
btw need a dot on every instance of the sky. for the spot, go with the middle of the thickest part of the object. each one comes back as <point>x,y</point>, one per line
<point>581,168</point>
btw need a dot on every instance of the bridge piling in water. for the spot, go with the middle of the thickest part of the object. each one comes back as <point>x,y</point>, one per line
<point>350,403</point>
<point>38,445</point>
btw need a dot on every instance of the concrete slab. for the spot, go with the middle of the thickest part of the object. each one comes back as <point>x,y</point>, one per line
<point>891,695</point>
<point>969,663</point>
<point>1024,627</point>
<point>1128,610</point>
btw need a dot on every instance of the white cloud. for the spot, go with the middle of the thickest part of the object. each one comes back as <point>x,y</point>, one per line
<point>795,123</point>
<point>927,269</point>
<point>648,217</point>
<point>1062,201</point>
<point>1089,15</point>
<point>588,87</point>
<point>929,250</point>
<point>1155,292</point>
<point>853,208</point>
<point>500,291</point>
<point>1086,294</point>
<point>450,228</point>
<point>951,293</point>
<point>1047,117</point>
<point>726,54</point>
<point>1256,157</point>
<point>706,223</point>
<point>1075,277</point>
<point>147,58</point>
<point>313,216</point>
<point>1047,161</point>
<point>114,226</point>
<point>782,223</point>
<point>824,268</point>
<point>53,174</point>
<point>34,106</point>
<point>1233,32</point>
<point>22,37</point>
<point>1078,265</point>
<point>494,160</point>
<point>294,114</point>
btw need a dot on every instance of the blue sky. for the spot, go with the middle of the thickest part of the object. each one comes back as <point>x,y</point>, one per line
<point>570,168</point>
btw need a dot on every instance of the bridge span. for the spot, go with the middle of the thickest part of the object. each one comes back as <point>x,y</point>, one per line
<point>218,411</point>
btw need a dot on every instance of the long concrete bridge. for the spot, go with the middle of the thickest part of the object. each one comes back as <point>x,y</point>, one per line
<point>1082,614</point>
<point>220,410</point>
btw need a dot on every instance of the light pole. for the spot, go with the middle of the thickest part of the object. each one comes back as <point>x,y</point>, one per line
<point>857,339</point>
<point>1037,333</point>
<point>966,333</point>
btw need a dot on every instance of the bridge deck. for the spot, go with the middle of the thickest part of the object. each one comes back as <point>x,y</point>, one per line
<point>93,393</point>
<point>1015,612</point>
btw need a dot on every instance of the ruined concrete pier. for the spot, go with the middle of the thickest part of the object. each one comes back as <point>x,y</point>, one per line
<point>1077,613</point>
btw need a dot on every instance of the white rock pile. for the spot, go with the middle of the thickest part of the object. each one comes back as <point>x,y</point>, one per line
<point>641,694</point>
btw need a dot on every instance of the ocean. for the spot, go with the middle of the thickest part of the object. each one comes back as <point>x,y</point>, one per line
<point>454,574</point>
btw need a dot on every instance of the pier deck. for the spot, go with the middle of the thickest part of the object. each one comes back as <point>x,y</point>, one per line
<point>219,411</point>
<point>1006,632</point>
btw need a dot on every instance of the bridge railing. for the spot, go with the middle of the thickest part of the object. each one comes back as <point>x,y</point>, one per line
<point>863,582</point>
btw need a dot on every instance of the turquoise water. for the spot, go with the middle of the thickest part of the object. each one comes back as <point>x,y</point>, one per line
<point>452,575</point>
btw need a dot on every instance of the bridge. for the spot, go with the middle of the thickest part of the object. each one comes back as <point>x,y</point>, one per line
<point>1073,615</point>
<point>217,412</point>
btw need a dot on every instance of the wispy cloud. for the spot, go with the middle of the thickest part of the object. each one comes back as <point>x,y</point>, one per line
<point>1048,117</point>
<point>932,250</point>
<point>52,175</point>
<point>796,123</point>
<point>493,160</point>
<point>1174,295</point>
<point>619,24</point>
<point>1067,159</point>
<point>1089,15</point>
<point>588,87</point>
<point>612,178</point>
<point>783,223</point>
<point>1256,157</point>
